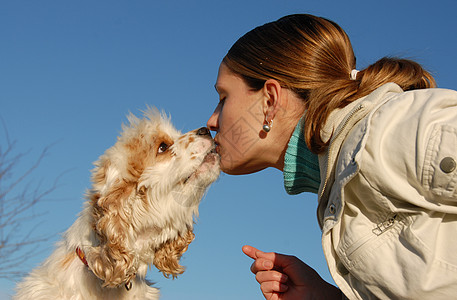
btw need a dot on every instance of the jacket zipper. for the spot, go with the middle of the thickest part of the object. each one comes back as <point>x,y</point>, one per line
<point>386,225</point>
<point>351,114</point>
<point>353,252</point>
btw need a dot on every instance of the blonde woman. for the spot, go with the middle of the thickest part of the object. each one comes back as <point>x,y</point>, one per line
<point>378,146</point>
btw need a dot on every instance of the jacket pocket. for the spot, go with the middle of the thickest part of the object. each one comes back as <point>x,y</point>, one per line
<point>366,246</point>
<point>439,174</point>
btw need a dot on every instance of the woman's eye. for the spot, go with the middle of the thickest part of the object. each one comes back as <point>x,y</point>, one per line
<point>221,101</point>
<point>162,148</point>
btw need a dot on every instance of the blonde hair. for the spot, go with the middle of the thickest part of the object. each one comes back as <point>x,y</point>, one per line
<point>313,57</point>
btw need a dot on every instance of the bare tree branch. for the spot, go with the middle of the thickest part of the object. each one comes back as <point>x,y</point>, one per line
<point>18,200</point>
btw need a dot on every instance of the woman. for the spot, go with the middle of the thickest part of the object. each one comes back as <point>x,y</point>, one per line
<point>378,146</point>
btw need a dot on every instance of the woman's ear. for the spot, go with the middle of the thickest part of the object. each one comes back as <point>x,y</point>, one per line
<point>273,94</point>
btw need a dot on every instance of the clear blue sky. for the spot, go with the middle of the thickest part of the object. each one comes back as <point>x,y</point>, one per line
<point>71,70</point>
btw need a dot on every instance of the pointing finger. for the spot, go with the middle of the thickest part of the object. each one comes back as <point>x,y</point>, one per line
<point>250,251</point>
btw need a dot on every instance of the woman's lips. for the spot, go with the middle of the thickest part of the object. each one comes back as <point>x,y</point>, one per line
<point>216,142</point>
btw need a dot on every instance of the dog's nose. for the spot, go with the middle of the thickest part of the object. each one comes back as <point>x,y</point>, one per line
<point>203,131</point>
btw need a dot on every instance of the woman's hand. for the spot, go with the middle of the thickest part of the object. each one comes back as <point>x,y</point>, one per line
<point>284,277</point>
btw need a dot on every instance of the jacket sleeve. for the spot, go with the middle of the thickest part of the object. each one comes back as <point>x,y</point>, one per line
<point>412,149</point>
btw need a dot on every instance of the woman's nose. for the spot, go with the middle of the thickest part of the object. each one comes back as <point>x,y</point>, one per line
<point>213,121</point>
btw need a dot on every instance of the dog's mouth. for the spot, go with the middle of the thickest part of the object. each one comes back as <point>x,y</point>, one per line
<point>209,162</point>
<point>211,155</point>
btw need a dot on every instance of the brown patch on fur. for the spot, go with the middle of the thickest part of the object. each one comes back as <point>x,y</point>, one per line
<point>139,157</point>
<point>141,193</point>
<point>185,141</point>
<point>147,150</point>
<point>67,260</point>
<point>99,174</point>
<point>191,139</point>
<point>164,156</point>
<point>111,261</point>
<point>167,257</point>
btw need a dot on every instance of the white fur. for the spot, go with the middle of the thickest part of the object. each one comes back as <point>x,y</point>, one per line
<point>160,207</point>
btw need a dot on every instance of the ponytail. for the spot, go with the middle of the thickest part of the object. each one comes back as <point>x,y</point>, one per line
<point>408,74</point>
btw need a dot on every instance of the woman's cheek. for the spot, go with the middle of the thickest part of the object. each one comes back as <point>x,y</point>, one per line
<point>228,155</point>
<point>236,144</point>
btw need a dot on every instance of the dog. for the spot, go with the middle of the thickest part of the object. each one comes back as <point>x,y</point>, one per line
<point>140,211</point>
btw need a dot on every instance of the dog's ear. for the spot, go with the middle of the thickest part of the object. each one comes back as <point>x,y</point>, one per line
<point>113,260</point>
<point>167,257</point>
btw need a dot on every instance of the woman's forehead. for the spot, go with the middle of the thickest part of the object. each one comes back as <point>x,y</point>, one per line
<point>226,78</point>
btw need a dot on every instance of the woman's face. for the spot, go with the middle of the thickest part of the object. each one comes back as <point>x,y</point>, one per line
<point>238,120</point>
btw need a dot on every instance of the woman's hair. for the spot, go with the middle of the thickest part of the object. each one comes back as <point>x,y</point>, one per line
<point>313,57</point>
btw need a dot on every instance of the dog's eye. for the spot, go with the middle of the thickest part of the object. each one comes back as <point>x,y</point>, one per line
<point>162,148</point>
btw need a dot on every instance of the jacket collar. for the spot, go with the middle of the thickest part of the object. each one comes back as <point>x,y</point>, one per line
<point>339,123</point>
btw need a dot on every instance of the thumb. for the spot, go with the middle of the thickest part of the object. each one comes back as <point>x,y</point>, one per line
<point>267,255</point>
<point>280,261</point>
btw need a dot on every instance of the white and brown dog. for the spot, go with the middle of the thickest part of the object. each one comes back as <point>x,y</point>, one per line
<point>140,211</point>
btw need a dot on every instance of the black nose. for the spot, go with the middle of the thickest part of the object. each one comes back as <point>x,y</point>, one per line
<point>203,131</point>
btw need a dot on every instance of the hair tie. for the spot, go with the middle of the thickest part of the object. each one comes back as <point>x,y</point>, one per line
<point>354,74</point>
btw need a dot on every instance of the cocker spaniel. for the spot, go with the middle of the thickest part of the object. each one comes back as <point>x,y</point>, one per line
<point>140,211</point>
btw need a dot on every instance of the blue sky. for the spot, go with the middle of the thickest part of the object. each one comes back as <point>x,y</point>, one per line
<point>70,71</point>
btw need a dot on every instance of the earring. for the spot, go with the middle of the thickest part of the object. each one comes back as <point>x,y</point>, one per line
<point>267,127</point>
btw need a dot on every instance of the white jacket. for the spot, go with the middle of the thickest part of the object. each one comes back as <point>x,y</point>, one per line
<point>388,197</point>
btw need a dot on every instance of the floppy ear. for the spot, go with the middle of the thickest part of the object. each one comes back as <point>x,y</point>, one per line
<point>167,257</point>
<point>113,260</point>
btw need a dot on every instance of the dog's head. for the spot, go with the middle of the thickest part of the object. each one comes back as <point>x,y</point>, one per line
<point>146,191</point>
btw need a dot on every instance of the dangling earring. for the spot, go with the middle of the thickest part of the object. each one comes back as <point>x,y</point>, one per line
<point>267,127</point>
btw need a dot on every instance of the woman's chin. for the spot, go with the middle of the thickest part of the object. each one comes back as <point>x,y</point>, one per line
<point>239,168</point>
